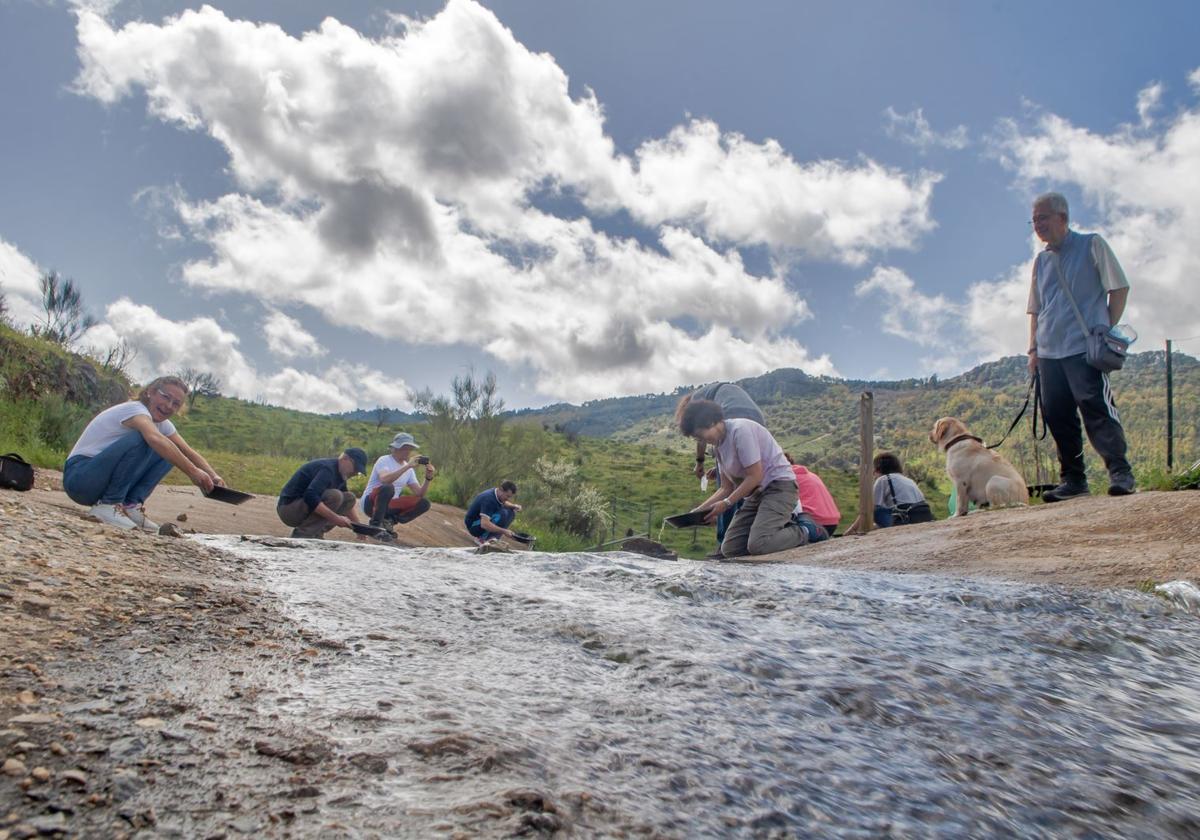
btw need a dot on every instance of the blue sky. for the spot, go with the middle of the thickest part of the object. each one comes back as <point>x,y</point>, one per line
<point>589,199</point>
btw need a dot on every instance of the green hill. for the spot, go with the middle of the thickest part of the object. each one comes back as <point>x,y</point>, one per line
<point>626,447</point>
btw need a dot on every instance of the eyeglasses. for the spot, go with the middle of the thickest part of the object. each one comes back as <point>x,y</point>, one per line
<point>1042,217</point>
<point>171,401</point>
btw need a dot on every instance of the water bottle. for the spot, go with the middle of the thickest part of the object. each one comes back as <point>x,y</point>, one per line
<point>1124,332</point>
<point>704,482</point>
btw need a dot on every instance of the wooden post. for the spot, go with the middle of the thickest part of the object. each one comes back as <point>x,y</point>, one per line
<point>1170,414</point>
<point>866,454</point>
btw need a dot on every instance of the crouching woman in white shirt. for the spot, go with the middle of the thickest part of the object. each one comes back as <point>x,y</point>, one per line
<point>126,450</point>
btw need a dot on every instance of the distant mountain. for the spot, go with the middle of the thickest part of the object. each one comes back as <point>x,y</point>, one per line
<point>380,416</point>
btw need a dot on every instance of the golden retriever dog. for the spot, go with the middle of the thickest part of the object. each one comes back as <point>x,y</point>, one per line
<point>979,474</point>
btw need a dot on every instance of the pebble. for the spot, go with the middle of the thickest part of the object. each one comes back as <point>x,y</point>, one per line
<point>149,722</point>
<point>34,719</point>
<point>13,767</point>
<point>57,748</point>
<point>26,697</point>
<point>41,774</point>
<point>76,776</point>
<point>24,746</point>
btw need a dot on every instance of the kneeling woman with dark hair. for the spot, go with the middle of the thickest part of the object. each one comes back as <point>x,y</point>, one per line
<point>754,469</point>
<point>126,450</point>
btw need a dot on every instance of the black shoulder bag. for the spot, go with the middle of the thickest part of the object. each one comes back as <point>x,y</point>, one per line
<point>15,472</point>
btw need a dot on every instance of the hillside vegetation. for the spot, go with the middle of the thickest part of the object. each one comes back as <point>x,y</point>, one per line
<point>625,447</point>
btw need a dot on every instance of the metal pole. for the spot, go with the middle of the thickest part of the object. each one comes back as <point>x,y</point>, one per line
<point>1170,413</point>
<point>866,454</point>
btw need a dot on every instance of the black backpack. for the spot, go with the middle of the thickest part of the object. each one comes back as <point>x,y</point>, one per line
<point>15,472</point>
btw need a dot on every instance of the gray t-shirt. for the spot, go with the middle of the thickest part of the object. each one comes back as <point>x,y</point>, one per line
<point>747,443</point>
<point>734,402</point>
<point>1090,269</point>
<point>907,491</point>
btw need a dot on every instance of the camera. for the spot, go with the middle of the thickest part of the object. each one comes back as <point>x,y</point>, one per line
<point>422,459</point>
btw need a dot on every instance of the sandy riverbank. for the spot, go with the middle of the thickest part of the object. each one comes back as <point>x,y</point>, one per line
<point>133,666</point>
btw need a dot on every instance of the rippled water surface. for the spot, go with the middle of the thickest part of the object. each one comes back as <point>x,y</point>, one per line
<point>628,695</point>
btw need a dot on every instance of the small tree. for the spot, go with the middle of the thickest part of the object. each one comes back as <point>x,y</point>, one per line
<point>199,383</point>
<point>465,435</point>
<point>567,503</point>
<point>381,416</point>
<point>64,319</point>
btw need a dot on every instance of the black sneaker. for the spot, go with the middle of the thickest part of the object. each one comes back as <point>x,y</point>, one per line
<point>1121,485</point>
<point>1066,490</point>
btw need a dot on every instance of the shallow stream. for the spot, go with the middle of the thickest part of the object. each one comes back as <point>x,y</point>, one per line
<point>621,694</point>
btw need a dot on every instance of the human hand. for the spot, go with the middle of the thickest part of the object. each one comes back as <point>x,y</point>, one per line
<point>203,480</point>
<point>345,522</point>
<point>1032,362</point>
<point>430,472</point>
<point>699,469</point>
<point>217,480</point>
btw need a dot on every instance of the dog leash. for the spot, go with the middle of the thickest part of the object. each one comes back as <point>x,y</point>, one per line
<point>1033,393</point>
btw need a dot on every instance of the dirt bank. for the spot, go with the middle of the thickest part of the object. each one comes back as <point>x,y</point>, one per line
<point>135,669</point>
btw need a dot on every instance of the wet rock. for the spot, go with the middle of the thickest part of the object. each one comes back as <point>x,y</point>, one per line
<point>303,792</point>
<point>302,754</point>
<point>649,548</point>
<point>76,777</point>
<point>125,784</point>
<point>33,719</point>
<point>170,529</point>
<point>369,763</point>
<point>126,747</point>
<point>13,767</point>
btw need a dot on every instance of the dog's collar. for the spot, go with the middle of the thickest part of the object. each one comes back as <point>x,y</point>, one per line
<point>960,439</point>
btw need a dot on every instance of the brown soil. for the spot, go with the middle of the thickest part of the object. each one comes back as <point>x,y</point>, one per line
<point>131,664</point>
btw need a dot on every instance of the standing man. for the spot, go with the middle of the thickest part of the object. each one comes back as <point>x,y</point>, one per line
<point>315,499</point>
<point>735,404</point>
<point>491,512</point>
<point>1070,387</point>
<point>391,474</point>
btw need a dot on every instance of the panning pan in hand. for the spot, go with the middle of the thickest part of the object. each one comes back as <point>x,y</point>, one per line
<point>691,519</point>
<point>227,495</point>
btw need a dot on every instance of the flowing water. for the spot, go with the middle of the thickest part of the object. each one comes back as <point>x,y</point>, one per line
<point>612,694</point>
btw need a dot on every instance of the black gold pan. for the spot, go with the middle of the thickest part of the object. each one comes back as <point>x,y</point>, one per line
<point>691,519</point>
<point>228,496</point>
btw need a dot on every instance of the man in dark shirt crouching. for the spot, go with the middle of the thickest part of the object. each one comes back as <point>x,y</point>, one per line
<point>316,500</point>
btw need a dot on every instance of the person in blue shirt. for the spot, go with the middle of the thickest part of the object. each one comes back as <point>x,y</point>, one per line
<point>315,499</point>
<point>492,512</point>
<point>1070,387</point>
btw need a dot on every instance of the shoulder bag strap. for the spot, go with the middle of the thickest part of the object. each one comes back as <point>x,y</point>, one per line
<point>892,488</point>
<point>1067,291</point>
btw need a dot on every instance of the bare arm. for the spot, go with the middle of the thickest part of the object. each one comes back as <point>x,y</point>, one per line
<point>166,447</point>
<point>196,458</point>
<point>1033,357</point>
<point>1116,305</point>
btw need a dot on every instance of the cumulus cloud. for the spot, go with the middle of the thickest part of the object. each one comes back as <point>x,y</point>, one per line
<point>1148,100</point>
<point>400,176</point>
<point>287,338</point>
<point>164,346</point>
<point>1133,183</point>
<point>914,129</point>
<point>19,285</point>
<point>930,321</point>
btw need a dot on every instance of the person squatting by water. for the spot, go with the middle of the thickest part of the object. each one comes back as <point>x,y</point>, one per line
<point>315,499</point>
<point>735,404</point>
<point>392,473</point>
<point>754,470</point>
<point>126,450</point>
<point>1085,264</point>
<point>492,512</point>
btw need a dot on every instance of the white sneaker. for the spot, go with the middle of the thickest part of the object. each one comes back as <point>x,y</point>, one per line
<point>137,515</point>
<point>113,515</point>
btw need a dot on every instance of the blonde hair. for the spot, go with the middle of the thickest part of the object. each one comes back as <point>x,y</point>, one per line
<point>144,395</point>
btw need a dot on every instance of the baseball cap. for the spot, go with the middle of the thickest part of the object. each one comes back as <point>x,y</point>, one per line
<point>359,458</point>
<point>403,439</point>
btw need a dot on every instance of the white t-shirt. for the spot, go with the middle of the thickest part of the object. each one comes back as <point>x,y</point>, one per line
<point>383,464</point>
<point>108,427</point>
<point>748,443</point>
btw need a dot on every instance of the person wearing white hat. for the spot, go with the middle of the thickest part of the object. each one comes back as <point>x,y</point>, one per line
<point>392,473</point>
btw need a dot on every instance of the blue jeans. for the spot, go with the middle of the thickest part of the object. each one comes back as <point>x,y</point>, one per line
<point>125,473</point>
<point>504,518</point>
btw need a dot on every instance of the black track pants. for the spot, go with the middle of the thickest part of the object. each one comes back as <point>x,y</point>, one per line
<point>1070,388</point>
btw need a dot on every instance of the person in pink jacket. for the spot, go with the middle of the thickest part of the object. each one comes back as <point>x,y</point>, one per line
<point>815,498</point>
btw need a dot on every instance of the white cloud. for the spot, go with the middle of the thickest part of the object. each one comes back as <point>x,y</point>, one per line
<point>1135,185</point>
<point>398,177</point>
<point>165,346</point>
<point>19,285</point>
<point>914,129</point>
<point>287,338</point>
<point>930,321</point>
<point>1148,101</point>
